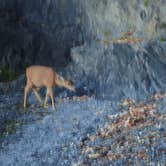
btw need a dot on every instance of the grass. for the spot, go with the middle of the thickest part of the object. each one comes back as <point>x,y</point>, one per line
<point>7,74</point>
<point>146,2</point>
<point>10,128</point>
<point>162,39</point>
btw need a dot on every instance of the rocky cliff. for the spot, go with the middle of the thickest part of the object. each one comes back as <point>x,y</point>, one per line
<point>107,19</point>
<point>111,63</point>
<point>38,32</point>
<point>123,42</point>
<point>120,71</point>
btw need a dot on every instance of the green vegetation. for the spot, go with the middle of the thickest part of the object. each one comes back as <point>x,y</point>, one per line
<point>162,39</point>
<point>146,2</point>
<point>10,128</point>
<point>107,33</point>
<point>7,74</point>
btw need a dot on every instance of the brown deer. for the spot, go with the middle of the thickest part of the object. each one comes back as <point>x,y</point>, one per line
<point>42,76</point>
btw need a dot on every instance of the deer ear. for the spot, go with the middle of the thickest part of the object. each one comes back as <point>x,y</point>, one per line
<point>60,78</point>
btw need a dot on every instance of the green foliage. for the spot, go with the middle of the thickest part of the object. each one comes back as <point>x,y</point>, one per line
<point>107,33</point>
<point>146,2</point>
<point>10,128</point>
<point>162,39</point>
<point>7,74</point>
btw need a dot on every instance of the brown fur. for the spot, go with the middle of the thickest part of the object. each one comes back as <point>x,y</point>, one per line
<point>42,76</point>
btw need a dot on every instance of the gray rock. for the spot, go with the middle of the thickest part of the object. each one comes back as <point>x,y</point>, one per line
<point>108,18</point>
<point>34,32</point>
<point>121,70</point>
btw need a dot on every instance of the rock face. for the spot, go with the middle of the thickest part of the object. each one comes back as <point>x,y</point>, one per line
<point>43,32</point>
<point>107,19</point>
<point>38,32</point>
<point>120,70</point>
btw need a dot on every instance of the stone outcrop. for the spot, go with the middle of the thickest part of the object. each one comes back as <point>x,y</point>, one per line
<point>43,32</point>
<point>120,70</point>
<point>38,32</point>
<point>106,19</point>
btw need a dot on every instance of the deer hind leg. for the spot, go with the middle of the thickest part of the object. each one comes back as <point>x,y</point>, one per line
<point>50,92</point>
<point>37,96</point>
<point>46,98</point>
<point>26,90</point>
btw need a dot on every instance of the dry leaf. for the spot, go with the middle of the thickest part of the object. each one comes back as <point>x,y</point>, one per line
<point>143,155</point>
<point>94,156</point>
<point>112,156</point>
<point>87,150</point>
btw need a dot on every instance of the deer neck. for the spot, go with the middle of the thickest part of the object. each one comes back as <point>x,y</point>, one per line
<point>59,80</point>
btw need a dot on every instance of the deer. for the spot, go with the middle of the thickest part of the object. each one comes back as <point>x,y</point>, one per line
<point>43,76</point>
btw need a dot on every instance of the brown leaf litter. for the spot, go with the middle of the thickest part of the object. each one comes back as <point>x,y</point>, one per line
<point>137,116</point>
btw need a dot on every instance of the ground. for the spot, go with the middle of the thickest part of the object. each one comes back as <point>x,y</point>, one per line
<point>83,131</point>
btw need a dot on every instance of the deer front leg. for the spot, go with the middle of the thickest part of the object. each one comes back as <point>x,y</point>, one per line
<point>26,90</point>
